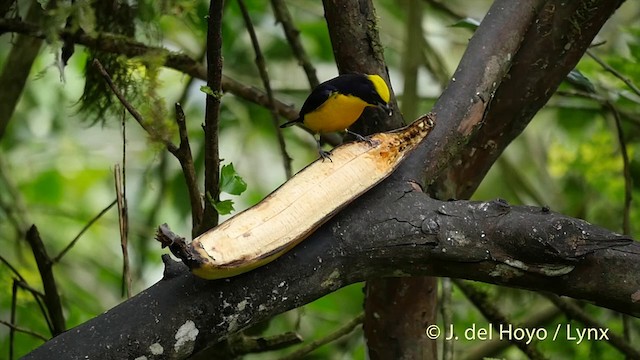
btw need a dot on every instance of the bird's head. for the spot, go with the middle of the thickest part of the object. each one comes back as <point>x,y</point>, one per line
<point>379,93</point>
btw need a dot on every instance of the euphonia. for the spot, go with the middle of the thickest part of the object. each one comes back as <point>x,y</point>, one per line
<point>336,104</point>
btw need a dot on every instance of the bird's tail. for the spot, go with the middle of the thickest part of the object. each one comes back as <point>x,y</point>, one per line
<point>290,123</point>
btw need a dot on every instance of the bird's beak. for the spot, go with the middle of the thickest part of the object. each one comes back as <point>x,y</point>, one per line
<point>386,108</point>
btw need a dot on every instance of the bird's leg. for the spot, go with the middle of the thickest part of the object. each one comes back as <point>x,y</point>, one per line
<point>323,154</point>
<point>366,139</point>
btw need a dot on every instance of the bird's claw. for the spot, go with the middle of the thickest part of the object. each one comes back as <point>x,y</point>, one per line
<point>325,155</point>
<point>359,137</point>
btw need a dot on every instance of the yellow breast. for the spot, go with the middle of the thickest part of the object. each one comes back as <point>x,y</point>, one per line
<point>335,114</point>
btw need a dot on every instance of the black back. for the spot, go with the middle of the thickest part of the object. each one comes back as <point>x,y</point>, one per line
<point>348,84</point>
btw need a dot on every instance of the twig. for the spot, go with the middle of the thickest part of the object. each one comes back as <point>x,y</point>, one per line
<point>626,171</point>
<point>601,100</point>
<point>14,301</point>
<point>283,16</point>
<point>123,211</point>
<point>212,116</point>
<point>13,269</point>
<point>615,72</point>
<point>185,157</point>
<point>182,153</point>
<point>264,75</point>
<point>37,296</point>
<point>628,194</point>
<point>574,312</point>
<point>116,44</point>
<point>249,344</point>
<point>23,330</point>
<point>51,296</point>
<point>447,318</point>
<point>495,316</point>
<point>342,331</point>
<point>123,222</point>
<point>127,105</point>
<point>176,244</point>
<point>57,259</point>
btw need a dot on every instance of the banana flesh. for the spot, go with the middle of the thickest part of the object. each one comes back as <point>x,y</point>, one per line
<point>314,195</point>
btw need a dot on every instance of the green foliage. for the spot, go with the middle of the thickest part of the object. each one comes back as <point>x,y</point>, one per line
<point>56,165</point>
<point>230,183</point>
<point>209,91</point>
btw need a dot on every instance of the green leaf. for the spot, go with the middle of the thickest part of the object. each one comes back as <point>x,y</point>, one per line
<point>224,207</point>
<point>209,91</point>
<point>230,181</point>
<point>467,23</point>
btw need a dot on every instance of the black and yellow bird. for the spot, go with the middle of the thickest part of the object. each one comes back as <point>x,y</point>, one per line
<point>336,104</point>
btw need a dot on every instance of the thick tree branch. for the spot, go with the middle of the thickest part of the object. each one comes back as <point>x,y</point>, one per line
<point>411,235</point>
<point>551,46</point>
<point>355,22</point>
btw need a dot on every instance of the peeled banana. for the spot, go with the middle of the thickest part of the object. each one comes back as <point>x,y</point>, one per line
<point>314,195</point>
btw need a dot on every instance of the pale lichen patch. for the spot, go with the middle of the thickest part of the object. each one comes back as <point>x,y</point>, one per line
<point>332,281</point>
<point>156,349</point>
<point>186,338</point>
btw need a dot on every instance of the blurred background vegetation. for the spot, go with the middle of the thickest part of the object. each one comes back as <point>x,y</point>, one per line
<point>58,155</point>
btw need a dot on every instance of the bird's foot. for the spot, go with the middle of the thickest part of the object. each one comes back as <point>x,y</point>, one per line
<point>325,155</point>
<point>359,137</point>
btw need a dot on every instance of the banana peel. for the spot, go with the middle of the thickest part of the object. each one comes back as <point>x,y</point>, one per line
<point>288,215</point>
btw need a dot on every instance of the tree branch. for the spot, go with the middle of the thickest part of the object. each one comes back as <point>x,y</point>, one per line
<point>355,22</point>
<point>212,117</point>
<point>16,69</point>
<point>131,109</point>
<point>283,16</point>
<point>264,75</point>
<point>128,47</point>
<point>185,157</point>
<point>410,234</point>
<point>434,238</point>
<point>502,106</point>
<point>573,311</point>
<point>45,267</point>
<point>305,349</point>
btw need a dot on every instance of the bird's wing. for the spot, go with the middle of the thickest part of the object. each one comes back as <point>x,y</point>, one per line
<point>317,97</point>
